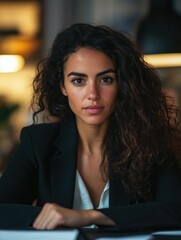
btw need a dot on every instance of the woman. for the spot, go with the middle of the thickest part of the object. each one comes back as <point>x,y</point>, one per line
<point>110,160</point>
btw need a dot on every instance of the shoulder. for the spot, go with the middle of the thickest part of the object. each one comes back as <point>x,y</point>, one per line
<point>41,129</point>
<point>39,134</point>
<point>46,132</point>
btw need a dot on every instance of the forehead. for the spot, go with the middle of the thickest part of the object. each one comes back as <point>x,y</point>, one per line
<point>88,57</point>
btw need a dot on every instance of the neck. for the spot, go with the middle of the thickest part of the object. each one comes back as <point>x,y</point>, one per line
<point>91,137</point>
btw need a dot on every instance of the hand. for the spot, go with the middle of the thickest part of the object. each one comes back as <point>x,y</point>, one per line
<point>53,216</point>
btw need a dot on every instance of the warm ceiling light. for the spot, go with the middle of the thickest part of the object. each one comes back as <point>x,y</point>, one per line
<point>164,60</point>
<point>11,63</point>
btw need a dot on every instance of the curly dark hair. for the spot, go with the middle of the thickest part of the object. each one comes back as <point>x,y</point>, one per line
<point>145,121</point>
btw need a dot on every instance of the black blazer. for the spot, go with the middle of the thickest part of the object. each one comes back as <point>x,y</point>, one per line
<point>44,168</point>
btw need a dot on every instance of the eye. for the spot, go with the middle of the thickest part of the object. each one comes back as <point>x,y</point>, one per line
<point>106,80</point>
<point>78,81</point>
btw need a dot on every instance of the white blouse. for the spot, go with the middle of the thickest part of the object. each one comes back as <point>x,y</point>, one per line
<point>82,199</point>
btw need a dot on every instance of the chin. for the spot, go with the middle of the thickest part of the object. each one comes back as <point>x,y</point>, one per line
<point>95,121</point>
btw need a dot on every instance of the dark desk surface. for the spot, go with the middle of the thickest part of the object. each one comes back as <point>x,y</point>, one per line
<point>92,233</point>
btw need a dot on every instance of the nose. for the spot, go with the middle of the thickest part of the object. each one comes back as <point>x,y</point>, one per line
<point>93,91</point>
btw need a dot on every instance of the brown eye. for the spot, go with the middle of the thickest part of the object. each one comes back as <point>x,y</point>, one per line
<point>106,80</point>
<point>78,81</point>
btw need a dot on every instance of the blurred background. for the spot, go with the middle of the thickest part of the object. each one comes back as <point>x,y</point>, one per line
<point>28,28</point>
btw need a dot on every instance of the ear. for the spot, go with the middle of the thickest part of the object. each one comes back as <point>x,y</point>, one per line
<point>62,88</point>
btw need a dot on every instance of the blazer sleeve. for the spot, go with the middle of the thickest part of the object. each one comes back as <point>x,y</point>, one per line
<point>164,211</point>
<point>18,183</point>
<point>18,186</point>
<point>17,215</point>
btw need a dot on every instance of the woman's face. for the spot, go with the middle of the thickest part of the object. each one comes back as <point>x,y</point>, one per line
<point>90,85</point>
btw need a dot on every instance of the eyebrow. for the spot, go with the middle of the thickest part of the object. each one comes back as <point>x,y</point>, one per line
<point>85,75</point>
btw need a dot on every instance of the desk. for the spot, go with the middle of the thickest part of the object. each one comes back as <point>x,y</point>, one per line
<point>86,234</point>
<point>93,234</point>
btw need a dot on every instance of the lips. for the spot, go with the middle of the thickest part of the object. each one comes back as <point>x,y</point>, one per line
<point>93,109</point>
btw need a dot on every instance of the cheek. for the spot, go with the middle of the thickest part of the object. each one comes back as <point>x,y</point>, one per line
<point>111,95</point>
<point>73,96</point>
<point>74,99</point>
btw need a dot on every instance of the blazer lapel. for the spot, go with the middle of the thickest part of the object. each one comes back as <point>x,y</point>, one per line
<point>118,196</point>
<point>63,165</point>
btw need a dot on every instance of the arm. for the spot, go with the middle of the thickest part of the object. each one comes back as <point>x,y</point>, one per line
<point>18,187</point>
<point>53,216</point>
<point>164,210</point>
<point>17,215</point>
<point>18,183</point>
